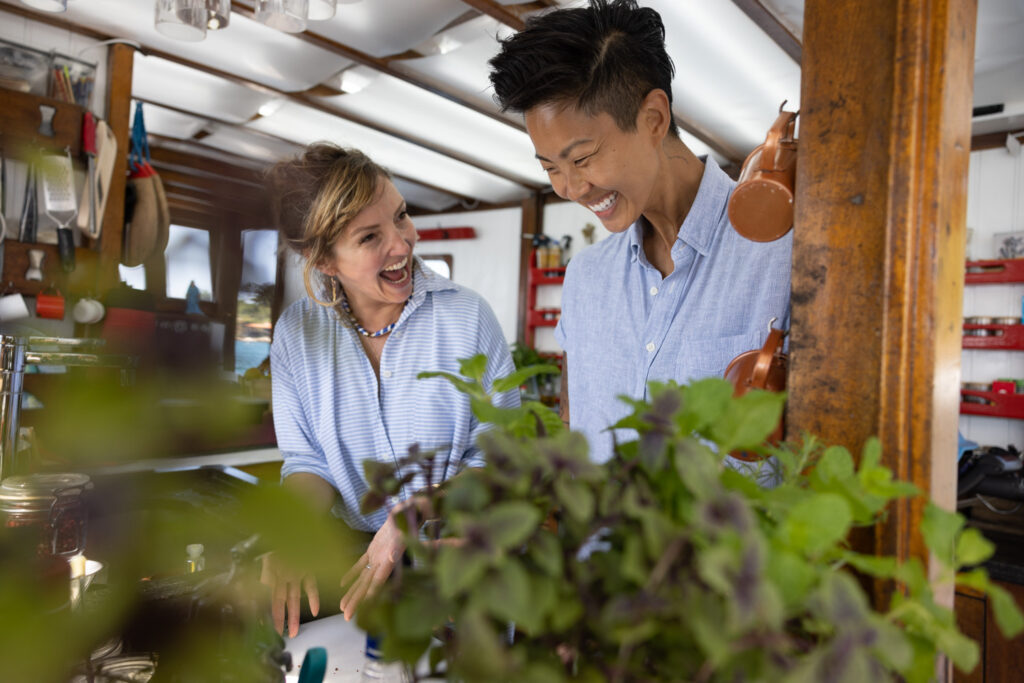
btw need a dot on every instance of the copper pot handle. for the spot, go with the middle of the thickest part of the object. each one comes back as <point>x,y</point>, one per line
<point>781,130</point>
<point>759,377</point>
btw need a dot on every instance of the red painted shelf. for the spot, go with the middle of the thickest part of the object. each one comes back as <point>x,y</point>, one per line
<point>544,317</point>
<point>540,317</point>
<point>1008,337</point>
<point>547,276</point>
<point>997,405</point>
<point>996,271</point>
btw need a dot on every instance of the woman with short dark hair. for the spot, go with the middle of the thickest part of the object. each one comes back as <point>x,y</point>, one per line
<point>674,293</point>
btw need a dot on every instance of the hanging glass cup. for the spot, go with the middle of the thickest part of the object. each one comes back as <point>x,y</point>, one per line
<point>181,19</point>
<point>285,15</point>
<point>218,14</point>
<point>321,10</point>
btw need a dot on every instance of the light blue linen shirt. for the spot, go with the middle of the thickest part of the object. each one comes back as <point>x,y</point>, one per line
<point>330,414</point>
<point>623,325</point>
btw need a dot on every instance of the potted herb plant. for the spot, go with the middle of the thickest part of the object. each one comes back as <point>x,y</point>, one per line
<point>663,564</point>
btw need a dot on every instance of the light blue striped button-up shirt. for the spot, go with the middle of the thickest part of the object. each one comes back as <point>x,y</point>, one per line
<point>328,415</point>
<point>623,325</point>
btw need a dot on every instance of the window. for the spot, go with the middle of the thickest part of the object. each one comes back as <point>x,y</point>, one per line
<point>255,298</point>
<point>133,277</point>
<point>439,263</point>
<point>187,259</point>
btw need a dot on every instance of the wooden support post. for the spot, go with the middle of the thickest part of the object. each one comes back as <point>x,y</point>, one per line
<point>878,261</point>
<point>119,102</point>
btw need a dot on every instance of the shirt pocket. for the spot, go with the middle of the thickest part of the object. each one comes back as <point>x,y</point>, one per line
<point>701,358</point>
<point>438,409</point>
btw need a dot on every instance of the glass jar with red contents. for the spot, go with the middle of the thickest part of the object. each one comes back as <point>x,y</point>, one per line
<point>52,502</point>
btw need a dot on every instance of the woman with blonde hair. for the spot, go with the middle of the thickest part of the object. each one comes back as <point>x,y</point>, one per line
<point>345,359</point>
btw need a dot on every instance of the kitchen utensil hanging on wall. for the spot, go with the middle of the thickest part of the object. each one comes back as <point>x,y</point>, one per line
<point>30,208</point>
<point>106,155</point>
<point>59,202</point>
<point>89,149</point>
<point>147,232</point>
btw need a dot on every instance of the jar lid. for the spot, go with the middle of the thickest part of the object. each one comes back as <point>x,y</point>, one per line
<point>41,486</point>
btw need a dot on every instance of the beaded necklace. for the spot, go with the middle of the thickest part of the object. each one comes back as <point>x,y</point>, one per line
<point>359,328</point>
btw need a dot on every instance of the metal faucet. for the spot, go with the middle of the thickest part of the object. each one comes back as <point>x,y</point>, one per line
<point>15,354</point>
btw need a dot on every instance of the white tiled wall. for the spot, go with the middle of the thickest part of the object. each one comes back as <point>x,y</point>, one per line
<point>995,204</point>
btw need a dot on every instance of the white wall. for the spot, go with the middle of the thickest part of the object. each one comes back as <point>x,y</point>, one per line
<point>487,264</point>
<point>995,204</point>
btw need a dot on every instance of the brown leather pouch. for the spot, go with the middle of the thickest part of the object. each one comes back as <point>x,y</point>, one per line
<point>761,206</point>
<point>765,368</point>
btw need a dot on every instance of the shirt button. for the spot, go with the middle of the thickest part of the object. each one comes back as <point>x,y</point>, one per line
<point>650,346</point>
<point>654,290</point>
<point>386,374</point>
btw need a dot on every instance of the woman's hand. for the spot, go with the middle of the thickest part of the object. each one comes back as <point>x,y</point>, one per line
<point>286,586</point>
<point>374,566</point>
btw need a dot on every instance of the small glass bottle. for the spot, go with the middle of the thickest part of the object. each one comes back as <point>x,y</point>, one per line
<point>194,562</point>
<point>378,671</point>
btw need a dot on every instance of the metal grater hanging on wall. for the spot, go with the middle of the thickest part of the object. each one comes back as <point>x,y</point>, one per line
<point>59,202</point>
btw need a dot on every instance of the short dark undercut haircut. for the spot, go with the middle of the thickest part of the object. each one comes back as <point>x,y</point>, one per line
<point>604,58</point>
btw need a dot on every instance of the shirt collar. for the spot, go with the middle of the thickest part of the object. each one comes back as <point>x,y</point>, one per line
<point>424,280</point>
<point>701,223</point>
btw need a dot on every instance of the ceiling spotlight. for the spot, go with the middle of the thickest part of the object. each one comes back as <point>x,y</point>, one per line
<point>354,78</point>
<point>270,107</point>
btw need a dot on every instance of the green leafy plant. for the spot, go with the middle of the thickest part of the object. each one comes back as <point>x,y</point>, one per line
<point>663,564</point>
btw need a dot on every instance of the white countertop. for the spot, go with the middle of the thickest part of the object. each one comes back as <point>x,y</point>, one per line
<point>345,644</point>
<point>252,456</point>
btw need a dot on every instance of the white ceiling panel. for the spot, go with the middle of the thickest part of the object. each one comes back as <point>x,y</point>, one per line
<point>184,88</point>
<point>730,76</point>
<point>385,27</point>
<point>424,197</point>
<point>249,144</point>
<point>417,112</point>
<point>160,121</point>
<point>305,125</point>
<point>464,69</point>
<point>246,48</point>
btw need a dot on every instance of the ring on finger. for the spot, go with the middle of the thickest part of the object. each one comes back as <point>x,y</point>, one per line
<point>369,566</point>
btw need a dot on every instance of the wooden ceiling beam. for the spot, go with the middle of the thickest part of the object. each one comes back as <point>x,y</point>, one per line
<point>775,29</point>
<point>209,185</point>
<point>298,149</point>
<point>223,169</point>
<point>204,151</point>
<point>252,206</point>
<point>497,12</point>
